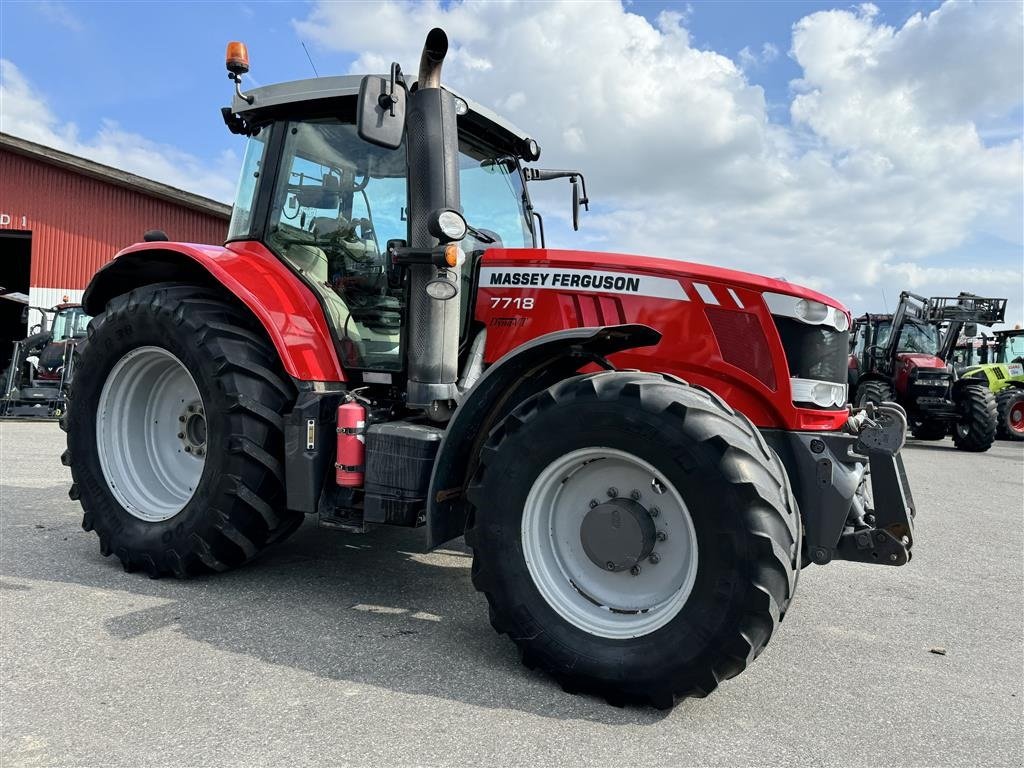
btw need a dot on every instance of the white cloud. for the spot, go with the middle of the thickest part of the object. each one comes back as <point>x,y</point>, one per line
<point>59,13</point>
<point>880,174</point>
<point>25,113</point>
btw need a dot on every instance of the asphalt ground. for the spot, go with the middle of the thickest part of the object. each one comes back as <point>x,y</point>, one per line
<point>343,649</point>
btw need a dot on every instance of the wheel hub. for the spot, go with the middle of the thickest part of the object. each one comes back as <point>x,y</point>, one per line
<point>193,431</point>
<point>618,534</point>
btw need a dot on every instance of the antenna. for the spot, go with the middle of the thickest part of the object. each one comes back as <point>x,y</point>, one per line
<point>317,74</point>
<point>885,301</point>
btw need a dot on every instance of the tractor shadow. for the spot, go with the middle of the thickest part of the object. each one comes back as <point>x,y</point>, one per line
<point>369,609</point>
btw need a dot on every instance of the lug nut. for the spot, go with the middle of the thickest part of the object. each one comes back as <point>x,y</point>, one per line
<point>893,557</point>
<point>654,559</point>
<point>610,565</point>
<point>181,418</point>
<point>181,435</point>
<point>593,503</point>
<point>613,492</point>
<point>661,536</point>
<point>188,449</point>
<point>654,511</point>
<point>635,495</point>
<point>634,571</point>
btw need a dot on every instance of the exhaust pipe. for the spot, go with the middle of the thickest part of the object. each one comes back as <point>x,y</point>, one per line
<point>432,143</point>
<point>434,50</point>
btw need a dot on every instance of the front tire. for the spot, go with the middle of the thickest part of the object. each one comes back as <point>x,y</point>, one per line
<point>636,621</point>
<point>175,438</point>
<point>976,429</point>
<point>1010,412</point>
<point>876,392</point>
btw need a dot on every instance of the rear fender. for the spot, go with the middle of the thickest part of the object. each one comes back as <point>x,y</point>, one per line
<point>283,304</point>
<point>523,372</point>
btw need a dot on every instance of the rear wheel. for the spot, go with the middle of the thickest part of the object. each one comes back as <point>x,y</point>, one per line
<point>874,392</point>
<point>634,536</point>
<point>976,429</point>
<point>1010,411</point>
<point>931,430</point>
<point>175,436</point>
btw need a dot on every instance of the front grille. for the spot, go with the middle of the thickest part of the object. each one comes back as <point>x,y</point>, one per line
<point>742,342</point>
<point>814,351</point>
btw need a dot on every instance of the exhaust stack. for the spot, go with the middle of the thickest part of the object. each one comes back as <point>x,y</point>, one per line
<point>432,143</point>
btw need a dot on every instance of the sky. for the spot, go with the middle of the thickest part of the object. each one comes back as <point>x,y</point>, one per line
<point>860,149</point>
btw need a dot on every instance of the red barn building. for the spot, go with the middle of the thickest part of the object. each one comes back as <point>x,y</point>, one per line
<point>62,217</point>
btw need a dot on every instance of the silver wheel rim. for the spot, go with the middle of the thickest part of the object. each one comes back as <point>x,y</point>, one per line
<point>151,434</point>
<point>618,605</point>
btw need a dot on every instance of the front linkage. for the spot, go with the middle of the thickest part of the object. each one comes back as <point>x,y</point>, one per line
<point>852,487</point>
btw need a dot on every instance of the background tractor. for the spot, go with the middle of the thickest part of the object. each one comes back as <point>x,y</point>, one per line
<point>997,361</point>
<point>36,379</point>
<point>385,339</point>
<point>907,357</point>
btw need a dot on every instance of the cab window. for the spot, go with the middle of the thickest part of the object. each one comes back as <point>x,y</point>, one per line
<point>337,202</point>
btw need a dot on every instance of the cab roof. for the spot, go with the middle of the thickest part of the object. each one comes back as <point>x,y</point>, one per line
<point>482,121</point>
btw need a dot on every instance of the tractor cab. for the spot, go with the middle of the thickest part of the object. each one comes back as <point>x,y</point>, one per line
<point>344,206</point>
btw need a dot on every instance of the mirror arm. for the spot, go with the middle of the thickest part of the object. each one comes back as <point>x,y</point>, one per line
<point>540,222</point>
<point>387,100</point>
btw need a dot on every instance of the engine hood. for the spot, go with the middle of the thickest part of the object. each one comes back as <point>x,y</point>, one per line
<point>920,360</point>
<point>655,266</point>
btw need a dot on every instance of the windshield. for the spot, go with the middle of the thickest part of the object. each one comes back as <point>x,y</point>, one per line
<point>70,324</point>
<point>913,337</point>
<point>492,196</point>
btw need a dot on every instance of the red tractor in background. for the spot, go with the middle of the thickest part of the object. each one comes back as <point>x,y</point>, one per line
<point>907,357</point>
<point>642,453</point>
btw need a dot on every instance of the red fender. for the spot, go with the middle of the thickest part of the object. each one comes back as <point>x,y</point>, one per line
<point>286,307</point>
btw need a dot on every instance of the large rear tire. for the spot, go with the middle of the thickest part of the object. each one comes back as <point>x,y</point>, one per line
<point>976,429</point>
<point>175,438</point>
<point>572,487</point>
<point>1010,412</point>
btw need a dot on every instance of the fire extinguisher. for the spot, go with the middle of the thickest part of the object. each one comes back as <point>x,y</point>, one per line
<point>349,467</point>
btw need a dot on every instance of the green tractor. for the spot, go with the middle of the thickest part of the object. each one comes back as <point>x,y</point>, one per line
<point>998,361</point>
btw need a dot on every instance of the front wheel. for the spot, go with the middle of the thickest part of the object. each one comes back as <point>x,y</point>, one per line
<point>634,536</point>
<point>1010,408</point>
<point>175,436</point>
<point>873,391</point>
<point>975,431</point>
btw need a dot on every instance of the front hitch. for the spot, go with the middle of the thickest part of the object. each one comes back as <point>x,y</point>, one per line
<point>885,533</point>
<point>852,487</point>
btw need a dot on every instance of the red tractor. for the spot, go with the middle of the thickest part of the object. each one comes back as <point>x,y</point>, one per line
<point>907,357</point>
<point>642,453</point>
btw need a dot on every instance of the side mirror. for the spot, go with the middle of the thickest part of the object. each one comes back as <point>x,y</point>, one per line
<point>971,330</point>
<point>380,114</point>
<point>575,205</point>
<point>578,198</point>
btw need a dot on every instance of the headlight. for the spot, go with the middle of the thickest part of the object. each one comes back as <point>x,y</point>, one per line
<point>447,225</point>
<point>811,311</point>
<point>825,394</point>
<point>806,310</point>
